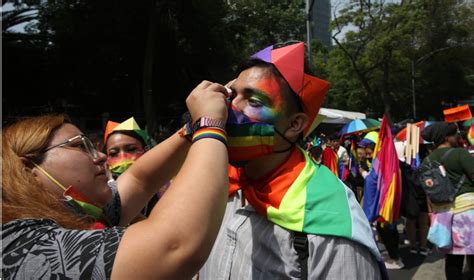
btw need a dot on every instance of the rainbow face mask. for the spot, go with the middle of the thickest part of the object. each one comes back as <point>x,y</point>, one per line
<point>75,198</point>
<point>118,165</point>
<point>248,140</point>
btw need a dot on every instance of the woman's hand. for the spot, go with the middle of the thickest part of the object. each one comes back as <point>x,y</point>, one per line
<point>208,99</point>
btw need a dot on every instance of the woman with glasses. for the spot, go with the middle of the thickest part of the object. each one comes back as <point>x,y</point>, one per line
<point>62,219</point>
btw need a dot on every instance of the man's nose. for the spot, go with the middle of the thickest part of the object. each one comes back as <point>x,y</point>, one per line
<point>237,102</point>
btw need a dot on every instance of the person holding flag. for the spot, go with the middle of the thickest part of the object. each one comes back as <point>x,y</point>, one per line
<point>382,193</point>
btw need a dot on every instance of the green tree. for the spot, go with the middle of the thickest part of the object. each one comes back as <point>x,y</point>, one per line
<point>371,65</point>
<point>257,24</point>
<point>140,58</point>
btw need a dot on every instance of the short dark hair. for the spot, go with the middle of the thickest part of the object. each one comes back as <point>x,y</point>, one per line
<point>316,151</point>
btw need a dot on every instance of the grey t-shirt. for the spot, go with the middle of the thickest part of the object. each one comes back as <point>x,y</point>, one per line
<point>42,249</point>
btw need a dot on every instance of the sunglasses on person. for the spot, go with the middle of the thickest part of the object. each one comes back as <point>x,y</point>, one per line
<point>80,142</point>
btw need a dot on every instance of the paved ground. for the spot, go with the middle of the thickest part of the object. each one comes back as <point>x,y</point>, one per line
<point>419,267</point>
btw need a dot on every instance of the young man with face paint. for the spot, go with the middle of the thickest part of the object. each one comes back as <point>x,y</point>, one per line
<point>286,216</point>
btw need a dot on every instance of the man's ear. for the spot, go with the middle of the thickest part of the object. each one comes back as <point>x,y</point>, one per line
<point>298,123</point>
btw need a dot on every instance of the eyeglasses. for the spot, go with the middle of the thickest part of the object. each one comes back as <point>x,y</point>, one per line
<point>80,142</point>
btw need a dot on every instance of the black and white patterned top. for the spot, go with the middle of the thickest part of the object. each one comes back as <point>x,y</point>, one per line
<point>41,249</point>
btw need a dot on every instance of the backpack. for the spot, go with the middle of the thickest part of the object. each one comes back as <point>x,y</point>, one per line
<point>435,182</point>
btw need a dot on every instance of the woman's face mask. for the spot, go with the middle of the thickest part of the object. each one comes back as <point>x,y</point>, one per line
<point>118,164</point>
<point>122,151</point>
<point>247,139</point>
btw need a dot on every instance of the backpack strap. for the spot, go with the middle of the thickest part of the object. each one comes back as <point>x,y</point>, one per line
<point>461,181</point>
<point>445,155</point>
<point>300,243</point>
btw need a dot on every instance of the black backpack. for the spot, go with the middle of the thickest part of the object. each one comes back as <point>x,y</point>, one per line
<point>434,180</point>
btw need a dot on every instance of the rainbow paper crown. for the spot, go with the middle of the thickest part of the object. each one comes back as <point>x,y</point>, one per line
<point>128,125</point>
<point>289,61</point>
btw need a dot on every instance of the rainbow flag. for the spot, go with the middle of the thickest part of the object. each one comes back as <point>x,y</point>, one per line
<point>353,159</point>
<point>382,188</point>
<point>330,160</point>
<point>470,135</point>
<point>306,197</point>
<point>343,170</point>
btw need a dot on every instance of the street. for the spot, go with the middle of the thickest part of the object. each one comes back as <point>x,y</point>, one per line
<point>419,267</point>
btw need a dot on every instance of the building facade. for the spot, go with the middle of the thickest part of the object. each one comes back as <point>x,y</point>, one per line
<point>320,16</point>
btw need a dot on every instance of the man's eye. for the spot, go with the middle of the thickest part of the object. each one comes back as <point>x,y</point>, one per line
<point>255,103</point>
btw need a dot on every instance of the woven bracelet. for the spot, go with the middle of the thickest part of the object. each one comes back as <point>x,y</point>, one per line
<point>210,132</point>
<point>186,131</point>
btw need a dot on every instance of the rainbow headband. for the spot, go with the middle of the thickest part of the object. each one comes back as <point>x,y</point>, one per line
<point>289,61</point>
<point>128,125</point>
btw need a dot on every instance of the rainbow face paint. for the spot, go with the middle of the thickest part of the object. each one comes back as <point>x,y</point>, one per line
<point>263,95</point>
<point>118,165</point>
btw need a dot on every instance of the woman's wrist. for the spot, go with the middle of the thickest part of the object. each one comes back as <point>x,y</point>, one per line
<point>210,132</point>
<point>204,127</point>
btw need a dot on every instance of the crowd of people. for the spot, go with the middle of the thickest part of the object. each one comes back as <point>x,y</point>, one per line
<point>353,153</point>
<point>231,195</point>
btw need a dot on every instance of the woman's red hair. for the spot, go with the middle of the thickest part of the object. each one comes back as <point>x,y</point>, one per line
<point>23,196</point>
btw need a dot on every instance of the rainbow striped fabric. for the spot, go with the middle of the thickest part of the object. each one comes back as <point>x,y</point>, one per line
<point>470,135</point>
<point>382,187</point>
<point>210,132</point>
<point>330,160</point>
<point>118,165</point>
<point>246,139</point>
<point>306,197</point>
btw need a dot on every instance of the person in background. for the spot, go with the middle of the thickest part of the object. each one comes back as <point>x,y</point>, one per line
<point>413,205</point>
<point>368,143</point>
<point>124,143</point>
<point>316,154</point>
<point>457,218</point>
<point>363,169</point>
<point>365,163</point>
<point>330,159</point>
<point>361,154</point>
<point>387,233</point>
<point>64,219</point>
<point>337,147</point>
<point>286,216</point>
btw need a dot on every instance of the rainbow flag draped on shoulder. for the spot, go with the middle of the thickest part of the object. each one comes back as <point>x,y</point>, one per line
<point>303,196</point>
<point>382,187</point>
